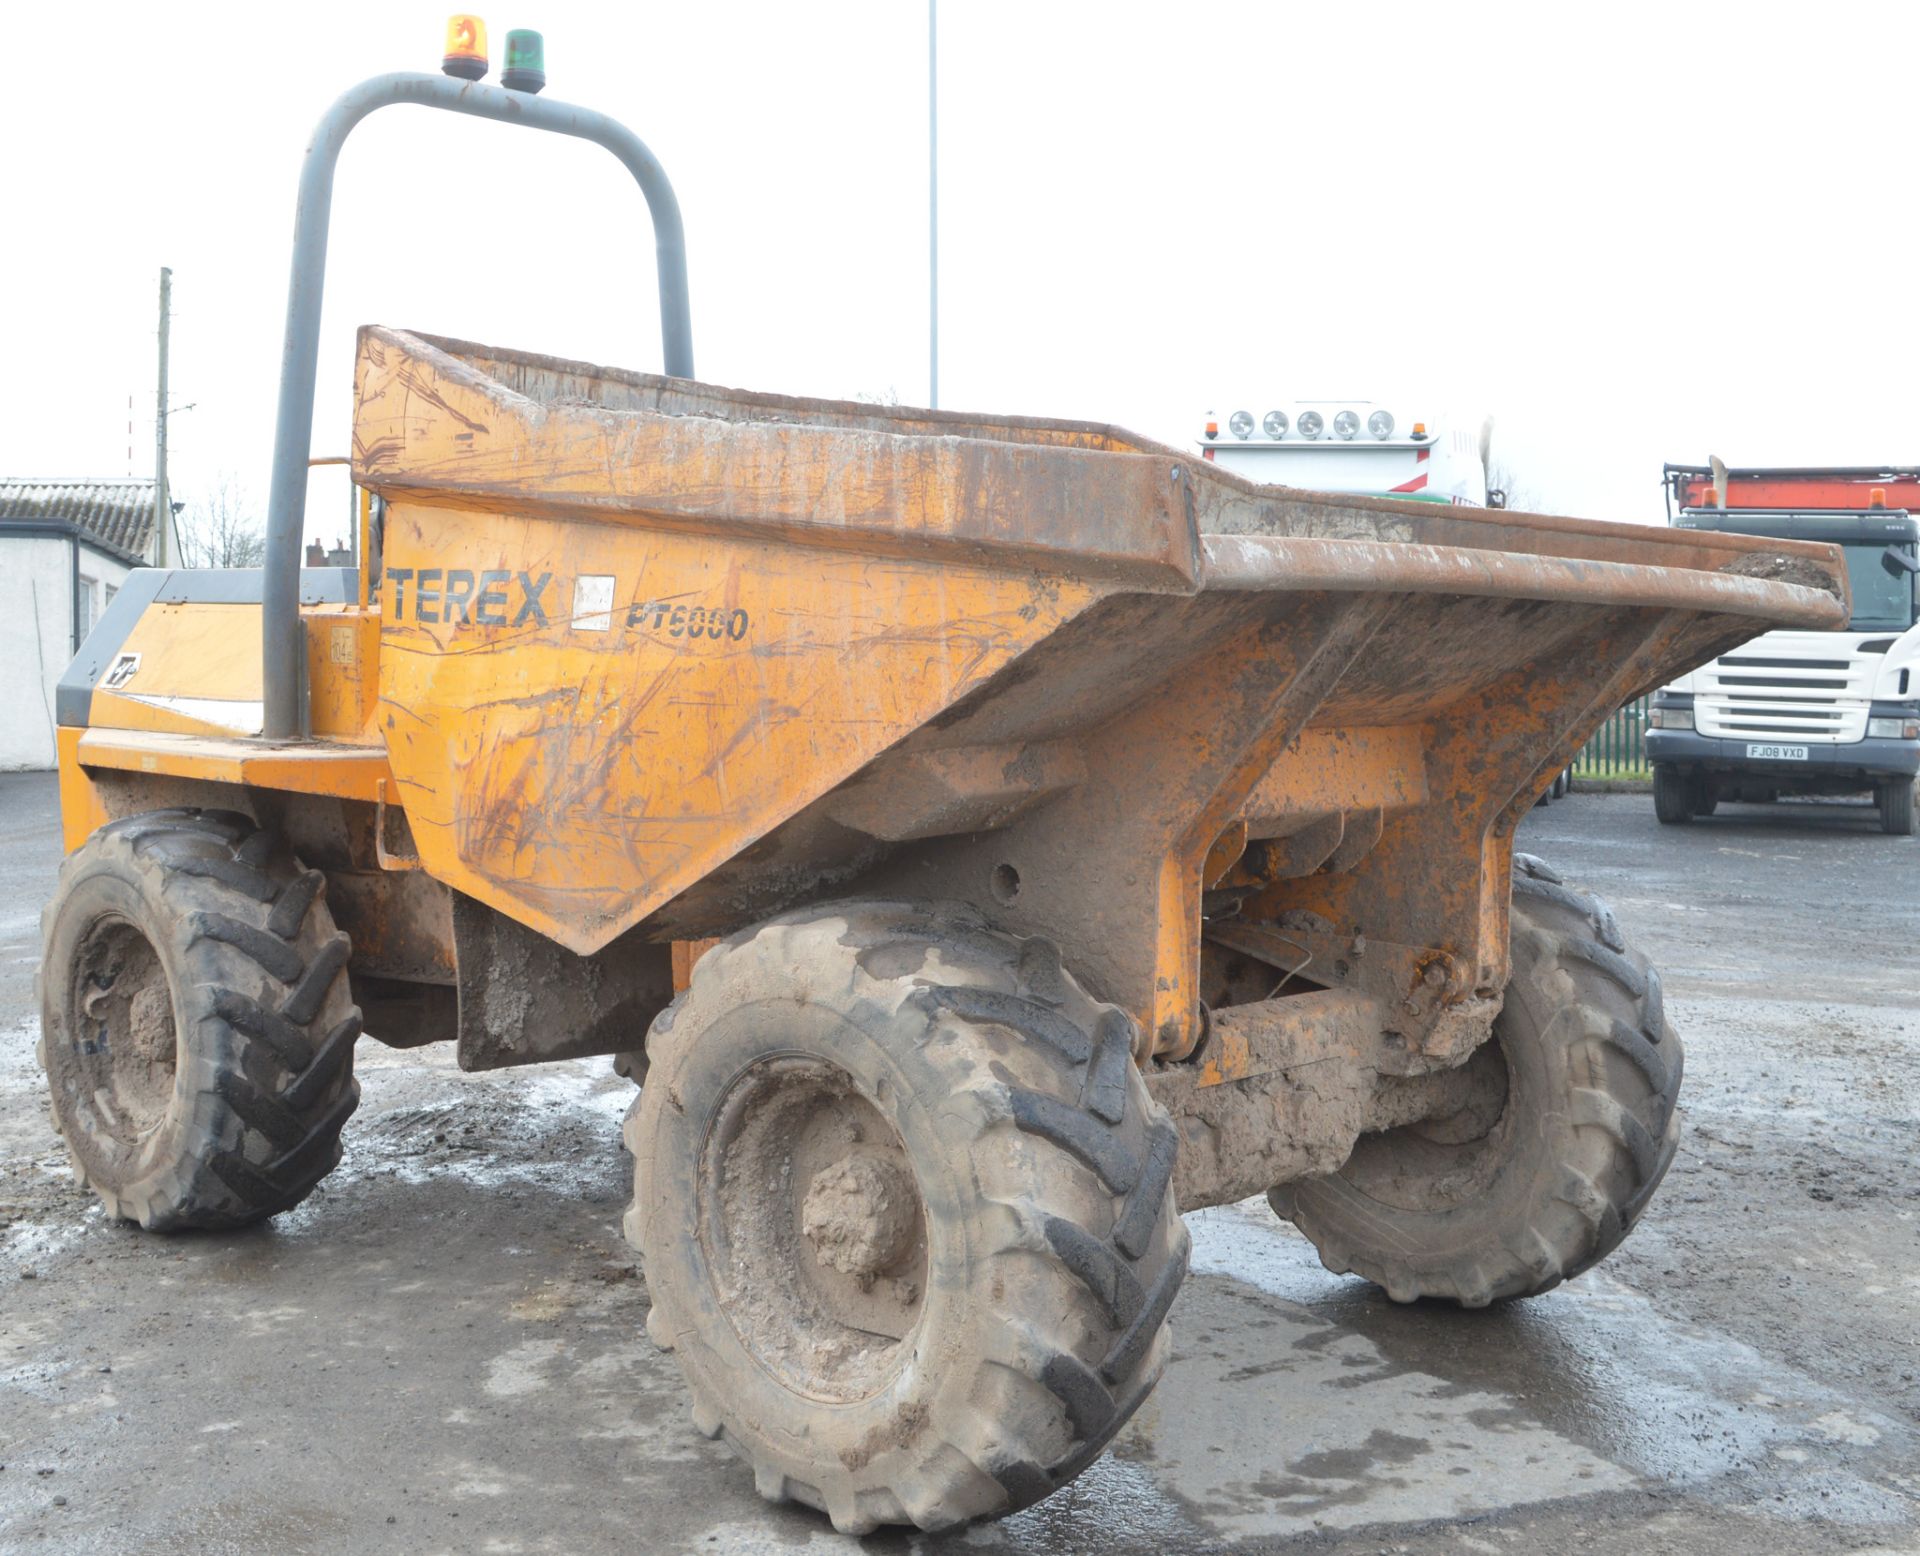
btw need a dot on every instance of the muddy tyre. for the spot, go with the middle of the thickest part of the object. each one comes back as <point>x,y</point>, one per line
<point>1572,1126</point>
<point>1672,796</point>
<point>196,1027</point>
<point>906,1213</point>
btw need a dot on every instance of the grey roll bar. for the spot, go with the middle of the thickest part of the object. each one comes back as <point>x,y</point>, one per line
<point>282,644</point>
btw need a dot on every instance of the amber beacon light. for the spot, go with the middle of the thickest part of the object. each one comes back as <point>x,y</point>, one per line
<point>466,52</point>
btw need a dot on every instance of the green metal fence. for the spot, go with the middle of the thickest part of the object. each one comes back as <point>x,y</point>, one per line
<point>1619,747</point>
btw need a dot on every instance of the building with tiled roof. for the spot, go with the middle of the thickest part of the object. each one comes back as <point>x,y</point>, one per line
<point>65,546</point>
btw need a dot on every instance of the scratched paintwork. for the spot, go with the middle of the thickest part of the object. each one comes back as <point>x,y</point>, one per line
<point>579,774</point>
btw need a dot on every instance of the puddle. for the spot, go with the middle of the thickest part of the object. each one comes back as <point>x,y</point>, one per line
<point>1587,1388</point>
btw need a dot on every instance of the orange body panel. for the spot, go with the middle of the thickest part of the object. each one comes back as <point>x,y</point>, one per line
<point>578,771</point>
<point>82,812</point>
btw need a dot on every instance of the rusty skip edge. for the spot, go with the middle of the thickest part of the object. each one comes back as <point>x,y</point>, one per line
<point>535,435</point>
<point>1262,563</point>
<point>1125,518</point>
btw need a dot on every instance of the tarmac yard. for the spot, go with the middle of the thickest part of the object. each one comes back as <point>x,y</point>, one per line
<point>443,1349</point>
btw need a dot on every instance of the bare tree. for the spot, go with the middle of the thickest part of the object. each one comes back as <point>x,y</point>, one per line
<point>217,528</point>
<point>1502,480</point>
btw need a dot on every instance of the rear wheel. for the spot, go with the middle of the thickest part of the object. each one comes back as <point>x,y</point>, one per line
<point>196,1027</point>
<point>1895,801</point>
<point>1672,796</point>
<point>1566,1134</point>
<point>906,1213</point>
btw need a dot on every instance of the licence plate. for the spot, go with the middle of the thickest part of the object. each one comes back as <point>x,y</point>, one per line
<point>1776,753</point>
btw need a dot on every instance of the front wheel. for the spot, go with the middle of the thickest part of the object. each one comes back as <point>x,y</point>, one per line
<point>1567,1132</point>
<point>906,1213</point>
<point>1672,796</point>
<point>196,1026</point>
<point>1895,801</point>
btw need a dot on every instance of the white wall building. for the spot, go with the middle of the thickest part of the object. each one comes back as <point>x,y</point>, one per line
<point>65,546</point>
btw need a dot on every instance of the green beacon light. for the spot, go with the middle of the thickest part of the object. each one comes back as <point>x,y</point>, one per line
<point>526,69</point>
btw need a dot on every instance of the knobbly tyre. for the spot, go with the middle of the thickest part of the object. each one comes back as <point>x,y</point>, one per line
<point>1087,835</point>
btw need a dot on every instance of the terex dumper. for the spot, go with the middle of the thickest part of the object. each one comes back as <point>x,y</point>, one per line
<point>1798,712</point>
<point>1089,834</point>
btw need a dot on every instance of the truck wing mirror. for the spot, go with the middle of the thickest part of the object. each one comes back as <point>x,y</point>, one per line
<point>1897,560</point>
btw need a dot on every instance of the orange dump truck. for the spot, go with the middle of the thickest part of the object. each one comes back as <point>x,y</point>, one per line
<point>1087,834</point>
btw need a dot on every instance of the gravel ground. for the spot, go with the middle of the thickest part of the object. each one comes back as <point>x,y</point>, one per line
<point>442,1350</point>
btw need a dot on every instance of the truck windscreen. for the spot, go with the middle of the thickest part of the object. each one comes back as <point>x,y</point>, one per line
<point>1883,600</point>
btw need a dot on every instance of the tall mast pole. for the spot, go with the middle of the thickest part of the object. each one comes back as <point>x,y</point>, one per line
<point>933,203</point>
<point>162,509</point>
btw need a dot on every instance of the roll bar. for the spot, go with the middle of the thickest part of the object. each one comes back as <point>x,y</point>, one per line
<point>282,643</point>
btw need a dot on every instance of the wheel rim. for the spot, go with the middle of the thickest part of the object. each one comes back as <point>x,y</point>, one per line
<point>124,1051</point>
<point>813,1228</point>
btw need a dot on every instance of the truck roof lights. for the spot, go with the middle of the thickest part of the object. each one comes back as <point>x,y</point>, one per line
<point>1345,425</point>
<point>466,52</point>
<point>1380,424</point>
<point>526,66</point>
<point>1240,424</point>
<point>1310,425</point>
<point>1274,424</point>
<point>1213,427</point>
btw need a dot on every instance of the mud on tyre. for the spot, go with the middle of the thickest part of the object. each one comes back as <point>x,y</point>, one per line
<point>1572,1126</point>
<point>196,1027</point>
<point>906,1213</point>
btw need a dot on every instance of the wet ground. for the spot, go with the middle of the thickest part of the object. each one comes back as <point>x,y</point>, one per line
<point>442,1350</point>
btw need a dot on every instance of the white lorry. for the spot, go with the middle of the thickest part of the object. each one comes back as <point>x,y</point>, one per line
<point>1802,713</point>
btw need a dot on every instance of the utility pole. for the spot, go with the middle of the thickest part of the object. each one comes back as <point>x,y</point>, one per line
<point>933,203</point>
<point>162,509</point>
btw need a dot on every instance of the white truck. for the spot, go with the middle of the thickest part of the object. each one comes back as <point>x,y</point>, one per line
<point>1352,446</point>
<point>1802,713</point>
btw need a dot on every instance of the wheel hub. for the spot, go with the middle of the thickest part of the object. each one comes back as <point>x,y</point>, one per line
<point>124,1041</point>
<point>813,1228</point>
<point>860,1214</point>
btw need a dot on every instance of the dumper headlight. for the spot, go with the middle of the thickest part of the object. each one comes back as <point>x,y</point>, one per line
<point>1345,425</point>
<point>1380,424</point>
<point>1274,424</point>
<point>1310,425</point>
<point>1670,718</point>
<point>1240,424</point>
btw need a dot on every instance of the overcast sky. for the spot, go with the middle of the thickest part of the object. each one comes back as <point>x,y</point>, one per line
<point>1627,233</point>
